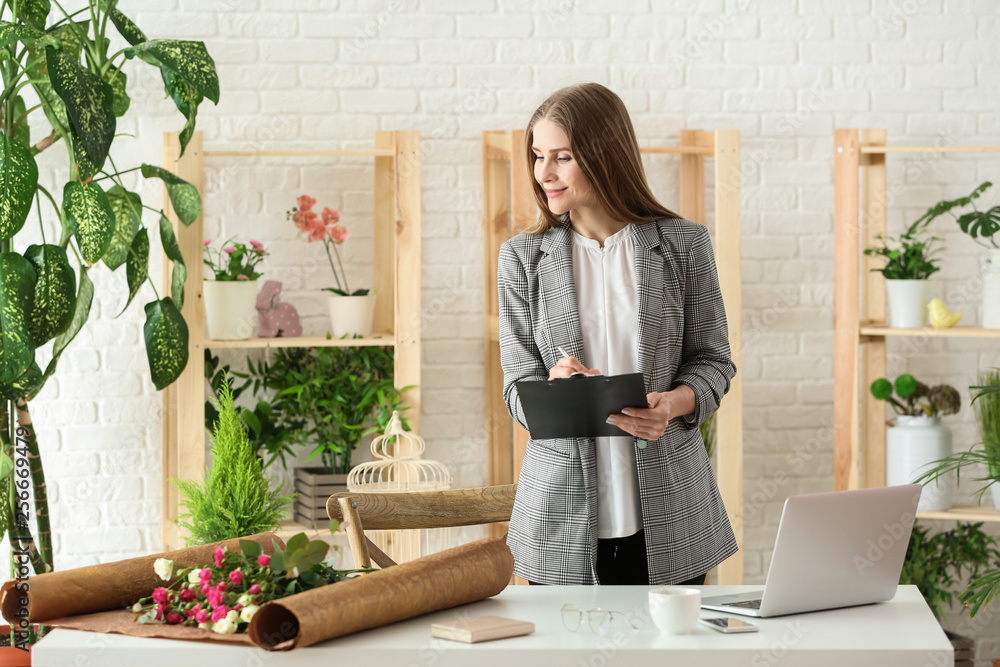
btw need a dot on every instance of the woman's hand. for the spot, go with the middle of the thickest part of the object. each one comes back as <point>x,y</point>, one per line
<point>566,366</point>
<point>651,423</point>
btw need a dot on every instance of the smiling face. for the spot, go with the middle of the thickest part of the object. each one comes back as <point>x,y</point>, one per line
<point>557,171</point>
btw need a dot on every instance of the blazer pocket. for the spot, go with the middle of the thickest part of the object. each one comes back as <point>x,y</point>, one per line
<point>562,448</point>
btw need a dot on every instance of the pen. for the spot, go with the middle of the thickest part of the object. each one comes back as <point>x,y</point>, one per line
<point>563,352</point>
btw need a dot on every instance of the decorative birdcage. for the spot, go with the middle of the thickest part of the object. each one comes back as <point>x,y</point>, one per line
<point>397,467</point>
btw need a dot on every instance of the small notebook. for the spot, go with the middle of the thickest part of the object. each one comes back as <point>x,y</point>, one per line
<point>481,629</point>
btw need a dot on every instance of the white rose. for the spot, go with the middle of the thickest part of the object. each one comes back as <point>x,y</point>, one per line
<point>247,614</point>
<point>205,626</point>
<point>224,626</point>
<point>233,615</point>
<point>164,568</point>
<point>193,577</point>
<point>245,600</point>
<point>137,608</point>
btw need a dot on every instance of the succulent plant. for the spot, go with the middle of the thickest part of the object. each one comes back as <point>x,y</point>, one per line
<point>914,398</point>
<point>942,399</point>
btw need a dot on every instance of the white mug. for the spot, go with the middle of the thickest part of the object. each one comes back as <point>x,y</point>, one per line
<point>674,610</point>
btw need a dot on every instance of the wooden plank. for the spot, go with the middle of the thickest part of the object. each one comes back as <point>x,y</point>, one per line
<point>523,207</point>
<point>384,339</point>
<point>183,418</point>
<point>874,150</point>
<point>845,315</point>
<point>880,329</point>
<point>678,150</point>
<point>407,271</point>
<point>377,152</point>
<point>729,428</point>
<point>429,509</point>
<point>873,354</point>
<point>385,194</point>
<point>351,525</point>
<point>963,513</point>
<point>499,454</point>
<point>692,180</point>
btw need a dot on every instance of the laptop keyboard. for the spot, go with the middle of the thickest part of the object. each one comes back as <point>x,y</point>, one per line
<point>743,604</point>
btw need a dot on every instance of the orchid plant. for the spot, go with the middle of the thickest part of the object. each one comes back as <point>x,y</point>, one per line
<point>236,261</point>
<point>325,226</point>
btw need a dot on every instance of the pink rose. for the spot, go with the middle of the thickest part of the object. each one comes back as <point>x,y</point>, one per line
<point>219,554</point>
<point>205,575</point>
<point>263,560</point>
<point>174,619</point>
<point>187,595</point>
<point>339,234</point>
<point>330,215</point>
<point>215,597</point>
<point>256,244</point>
<point>236,577</point>
<point>219,613</point>
<point>205,588</point>
<point>254,589</point>
<point>242,277</point>
<point>161,595</point>
<point>160,610</point>
<point>206,243</point>
<point>228,250</point>
<point>223,587</point>
<point>238,606</point>
<point>201,616</point>
<point>305,202</point>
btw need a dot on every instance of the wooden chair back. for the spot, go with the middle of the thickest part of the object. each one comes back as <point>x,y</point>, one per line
<point>426,509</point>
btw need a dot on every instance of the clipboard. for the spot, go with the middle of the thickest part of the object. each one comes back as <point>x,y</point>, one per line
<point>578,407</point>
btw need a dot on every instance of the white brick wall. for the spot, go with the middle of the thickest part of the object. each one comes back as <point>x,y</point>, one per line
<point>308,72</point>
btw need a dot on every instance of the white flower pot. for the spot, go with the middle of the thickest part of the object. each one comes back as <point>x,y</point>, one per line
<point>991,290</point>
<point>910,446</point>
<point>907,303</point>
<point>350,315</point>
<point>230,309</point>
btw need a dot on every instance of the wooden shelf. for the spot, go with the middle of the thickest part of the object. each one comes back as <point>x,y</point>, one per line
<point>882,150</point>
<point>963,513</point>
<point>881,330</point>
<point>383,339</point>
<point>377,152</point>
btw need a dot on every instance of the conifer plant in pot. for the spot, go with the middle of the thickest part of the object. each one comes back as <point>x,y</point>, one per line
<point>917,437</point>
<point>72,68</point>
<point>328,398</point>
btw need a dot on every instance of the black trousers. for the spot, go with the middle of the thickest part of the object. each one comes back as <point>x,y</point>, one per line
<point>621,561</point>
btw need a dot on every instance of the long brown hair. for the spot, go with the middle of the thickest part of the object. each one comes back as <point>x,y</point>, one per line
<point>603,143</point>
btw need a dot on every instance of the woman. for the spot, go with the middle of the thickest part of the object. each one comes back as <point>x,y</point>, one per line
<point>623,285</point>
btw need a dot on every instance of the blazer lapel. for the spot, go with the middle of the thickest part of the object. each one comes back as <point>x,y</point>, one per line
<point>649,272</point>
<point>559,310</point>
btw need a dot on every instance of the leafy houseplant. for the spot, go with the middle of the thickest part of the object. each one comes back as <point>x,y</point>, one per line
<point>915,398</point>
<point>935,564</point>
<point>231,298</point>
<point>63,66</point>
<point>330,397</point>
<point>235,499</point>
<point>236,261</point>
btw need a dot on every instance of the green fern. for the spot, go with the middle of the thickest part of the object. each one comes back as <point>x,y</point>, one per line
<point>235,500</point>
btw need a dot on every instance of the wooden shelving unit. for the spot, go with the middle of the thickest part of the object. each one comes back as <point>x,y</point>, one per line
<point>396,282</point>
<point>860,332</point>
<point>509,208</point>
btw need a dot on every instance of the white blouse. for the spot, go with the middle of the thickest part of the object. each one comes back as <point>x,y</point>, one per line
<point>609,318</point>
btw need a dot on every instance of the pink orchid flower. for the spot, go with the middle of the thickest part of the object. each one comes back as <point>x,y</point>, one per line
<point>305,202</point>
<point>330,215</point>
<point>339,234</point>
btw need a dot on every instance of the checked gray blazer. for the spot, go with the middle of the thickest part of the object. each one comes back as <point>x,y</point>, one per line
<point>683,339</point>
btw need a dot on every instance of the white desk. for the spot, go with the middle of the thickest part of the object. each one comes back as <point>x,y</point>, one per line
<point>900,632</point>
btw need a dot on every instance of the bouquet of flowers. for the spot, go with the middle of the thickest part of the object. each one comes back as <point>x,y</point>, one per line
<point>223,597</point>
<point>325,227</point>
<point>235,261</point>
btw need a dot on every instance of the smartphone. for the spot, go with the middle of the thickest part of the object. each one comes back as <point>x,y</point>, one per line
<point>728,624</point>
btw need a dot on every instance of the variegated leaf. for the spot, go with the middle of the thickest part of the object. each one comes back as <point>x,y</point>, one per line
<point>89,103</point>
<point>54,108</point>
<point>33,12</point>
<point>137,266</point>
<point>121,102</point>
<point>17,286</point>
<point>190,60</point>
<point>22,133</point>
<point>84,299</point>
<point>166,335</point>
<point>18,32</point>
<point>85,169</point>
<point>89,215</point>
<point>26,386</point>
<point>186,98</point>
<point>55,292</point>
<point>18,182</point>
<point>177,279</point>
<point>184,197</point>
<point>72,37</point>
<point>129,30</point>
<point>169,240</point>
<point>127,209</point>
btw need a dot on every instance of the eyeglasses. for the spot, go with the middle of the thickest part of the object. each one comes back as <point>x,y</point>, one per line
<point>600,619</point>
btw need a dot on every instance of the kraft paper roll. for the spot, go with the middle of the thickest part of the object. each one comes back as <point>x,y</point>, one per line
<point>103,587</point>
<point>446,579</point>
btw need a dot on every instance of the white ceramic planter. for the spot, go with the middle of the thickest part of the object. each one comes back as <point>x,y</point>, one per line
<point>991,290</point>
<point>907,303</point>
<point>350,315</point>
<point>995,492</point>
<point>910,446</point>
<point>230,309</point>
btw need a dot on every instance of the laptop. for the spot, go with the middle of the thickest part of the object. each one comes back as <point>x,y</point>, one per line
<point>833,550</point>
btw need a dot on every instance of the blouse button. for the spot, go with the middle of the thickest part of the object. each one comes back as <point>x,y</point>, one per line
<point>641,444</point>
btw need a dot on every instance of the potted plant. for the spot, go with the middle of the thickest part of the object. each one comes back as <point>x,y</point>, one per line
<point>231,292</point>
<point>351,312</point>
<point>909,262</point>
<point>918,437</point>
<point>981,226</point>
<point>328,398</point>
<point>72,68</point>
<point>234,499</point>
